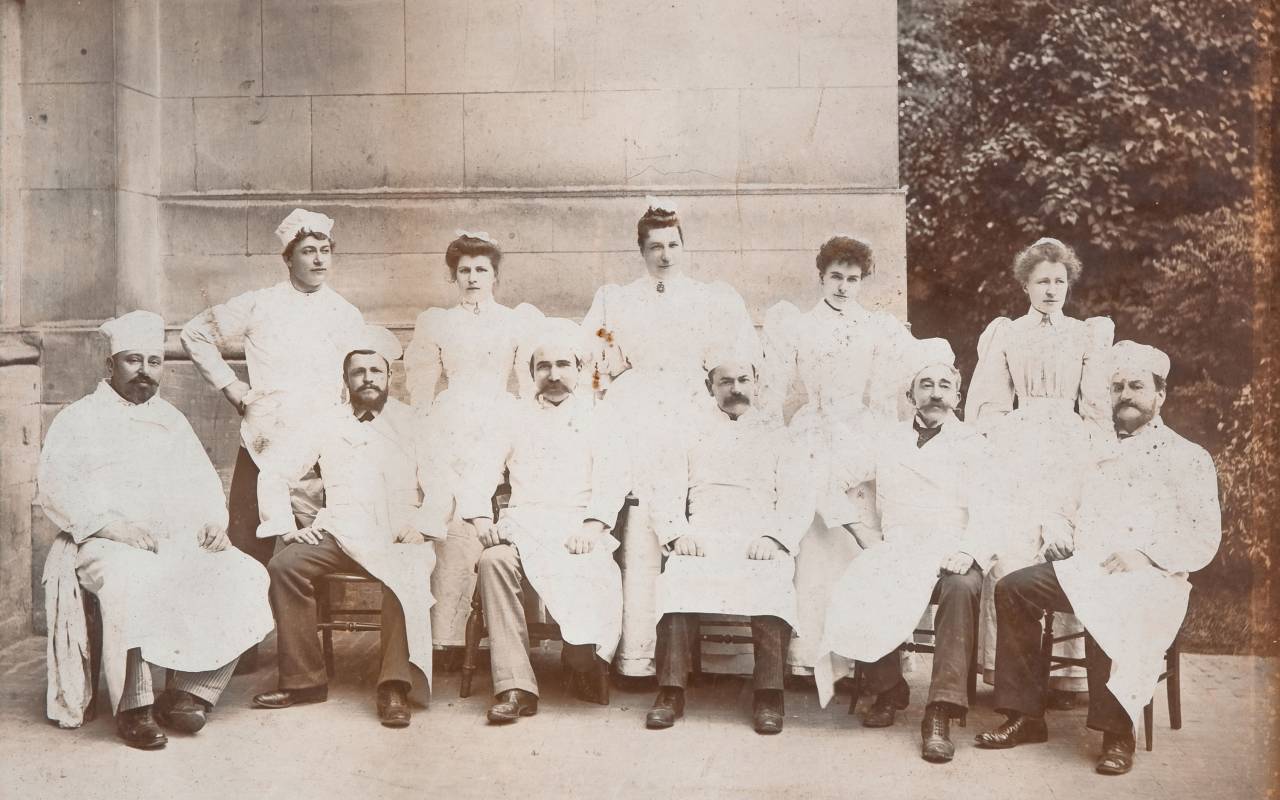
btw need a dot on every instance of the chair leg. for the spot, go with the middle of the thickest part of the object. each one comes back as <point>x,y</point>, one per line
<point>93,617</point>
<point>696,677</point>
<point>1046,651</point>
<point>602,681</point>
<point>856,692</point>
<point>471,653</point>
<point>1173,684</point>
<point>324,612</point>
<point>1148,722</point>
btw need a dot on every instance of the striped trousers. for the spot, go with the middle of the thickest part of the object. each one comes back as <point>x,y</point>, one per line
<point>139,692</point>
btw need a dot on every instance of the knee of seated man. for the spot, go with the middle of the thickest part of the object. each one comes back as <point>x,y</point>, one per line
<point>968,584</point>
<point>502,556</point>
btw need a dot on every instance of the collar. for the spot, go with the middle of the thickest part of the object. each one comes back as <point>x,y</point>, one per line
<point>376,412</point>
<point>650,282</point>
<point>1153,426</point>
<point>106,392</point>
<point>854,311</point>
<point>153,411</point>
<point>294,290</point>
<point>477,309</point>
<point>1054,318</point>
<point>919,424</point>
<point>566,405</point>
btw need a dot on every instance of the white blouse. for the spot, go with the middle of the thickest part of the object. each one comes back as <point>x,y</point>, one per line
<point>475,348</point>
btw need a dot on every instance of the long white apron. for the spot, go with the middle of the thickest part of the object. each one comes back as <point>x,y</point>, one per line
<point>583,592</point>
<point>186,608</point>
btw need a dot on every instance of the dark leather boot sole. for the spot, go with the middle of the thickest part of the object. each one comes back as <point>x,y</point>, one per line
<point>395,718</point>
<point>937,751</point>
<point>768,723</point>
<point>285,698</point>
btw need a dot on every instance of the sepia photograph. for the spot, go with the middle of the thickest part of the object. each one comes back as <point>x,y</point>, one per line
<point>686,399</point>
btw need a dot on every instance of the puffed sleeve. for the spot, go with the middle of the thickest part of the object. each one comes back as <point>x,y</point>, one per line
<point>610,479</point>
<point>422,360</point>
<point>893,344</point>
<point>525,318</point>
<point>72,496</point>
<point>608,359</point>
<point>212,329</point>
<point>991,391</point>
<point>1095,378</point>
<point>1193,542</point>
<point>781,343</point>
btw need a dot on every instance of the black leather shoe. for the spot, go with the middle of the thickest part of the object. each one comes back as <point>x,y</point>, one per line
<point>283,698</point>
<point>181,711</point>
<point>668,707</point>
<point>512,705</point>
<point>139,729</point>
<point>883,710</point>
<point>935,734</point>
<point>1117,754</point>
<point>393,705</point>
<point>1017,729</point>
<point>768,712</point>
<point>591,685</point>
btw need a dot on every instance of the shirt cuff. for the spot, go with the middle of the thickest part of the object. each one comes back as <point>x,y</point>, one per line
<point>221,375</point>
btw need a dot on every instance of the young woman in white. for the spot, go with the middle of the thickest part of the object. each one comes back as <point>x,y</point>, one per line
<point>473,346</point>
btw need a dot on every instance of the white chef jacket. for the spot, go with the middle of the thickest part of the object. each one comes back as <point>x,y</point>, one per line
<point>1158,493</point>
<point>567,465</point>
<point>744,479</point>
<point>106,459</point>
<point>370,471</point>
<point>294,344</point>
<point>932,501</point>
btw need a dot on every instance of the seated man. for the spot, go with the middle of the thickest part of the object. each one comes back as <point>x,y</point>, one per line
<point>568,475</point>
<point>1149,515</point>
<point>732,552</point>
<point>371,522</point>
<point>144,524</point>
<point>925,473</point>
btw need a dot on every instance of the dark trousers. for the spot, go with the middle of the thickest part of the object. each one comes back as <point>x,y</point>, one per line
<point>293,602</point>
<point>954,625</point>
<point>678,635</point>
<point>1022,597</point>
<point>242,510</point>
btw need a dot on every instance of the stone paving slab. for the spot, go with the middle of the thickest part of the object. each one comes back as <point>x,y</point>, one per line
<point>570,749</point>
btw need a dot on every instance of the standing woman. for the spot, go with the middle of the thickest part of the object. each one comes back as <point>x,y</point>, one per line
<point>847,359</point>
<point>295,336</point>
<point>1040,392</point>
<point>473,345</point>
<point>654,336</point>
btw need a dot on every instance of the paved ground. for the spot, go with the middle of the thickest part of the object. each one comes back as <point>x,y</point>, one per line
<point>574,750</point>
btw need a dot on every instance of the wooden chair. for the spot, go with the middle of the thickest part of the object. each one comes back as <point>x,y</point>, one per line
<point>326,612</point>
<point>1171,676</point>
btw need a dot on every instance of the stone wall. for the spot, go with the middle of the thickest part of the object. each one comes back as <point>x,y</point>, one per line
<point>150,147</point>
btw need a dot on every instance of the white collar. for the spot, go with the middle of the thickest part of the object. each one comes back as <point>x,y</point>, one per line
<point>477,309</point>
<point>1152,427</point>
<point>1054,317</point>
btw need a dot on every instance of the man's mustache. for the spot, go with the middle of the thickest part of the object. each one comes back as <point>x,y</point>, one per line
<point>741,398</point>
<point>143,380</point>
<point>550,386</point>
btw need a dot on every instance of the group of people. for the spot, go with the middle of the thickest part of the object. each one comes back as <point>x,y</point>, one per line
<point>833,526</point>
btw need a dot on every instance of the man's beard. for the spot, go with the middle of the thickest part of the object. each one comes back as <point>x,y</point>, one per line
<point>139,389</point>
<point>360,404</point>
<point>736,404</point>
<point>554,387</point>
<point>1131,424</point>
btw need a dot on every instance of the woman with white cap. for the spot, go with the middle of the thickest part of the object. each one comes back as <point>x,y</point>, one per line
<point>847,358</point>
<point>653,336</point>
<point>473,346</point>
<point>1040,392</point>
<point>295,335</point>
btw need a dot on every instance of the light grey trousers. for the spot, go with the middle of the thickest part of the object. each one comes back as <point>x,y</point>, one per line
<point>139,692</point>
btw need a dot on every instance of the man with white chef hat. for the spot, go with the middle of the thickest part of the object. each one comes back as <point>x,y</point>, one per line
<point>372,521</point>
<point>143,522</point>
<point>1149,515</point>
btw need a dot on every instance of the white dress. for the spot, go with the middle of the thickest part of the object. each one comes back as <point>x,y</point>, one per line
<point>849,365</point>
<point>1055,367</point>
<point>567,465</point>
<point>105,459</point>
<point>475,349</point>
<point>650,363</point>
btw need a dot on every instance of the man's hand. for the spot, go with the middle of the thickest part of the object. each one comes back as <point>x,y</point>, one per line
<point>581,543</point>
<point>304,535</point>
<point>956,564</point>
<point>687,546</point>
<point>764,549</point>
<point>1058,541</point>
<point>214,538</point>
<point>235,392</point>
<point>128,533</point>
<point>410,535</point>
<point>1126,561</point>
<point>485,531</point>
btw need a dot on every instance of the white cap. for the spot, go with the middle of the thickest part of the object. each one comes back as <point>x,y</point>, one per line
<point>558,333</point>
<point>1139,356</point>
<point>926,353</point>
<point>732,353</point>
<point>302,220</point>
<point>377,339</point>
<point>137,331</point>
<point>655,203</point>
<point>481,235</point>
